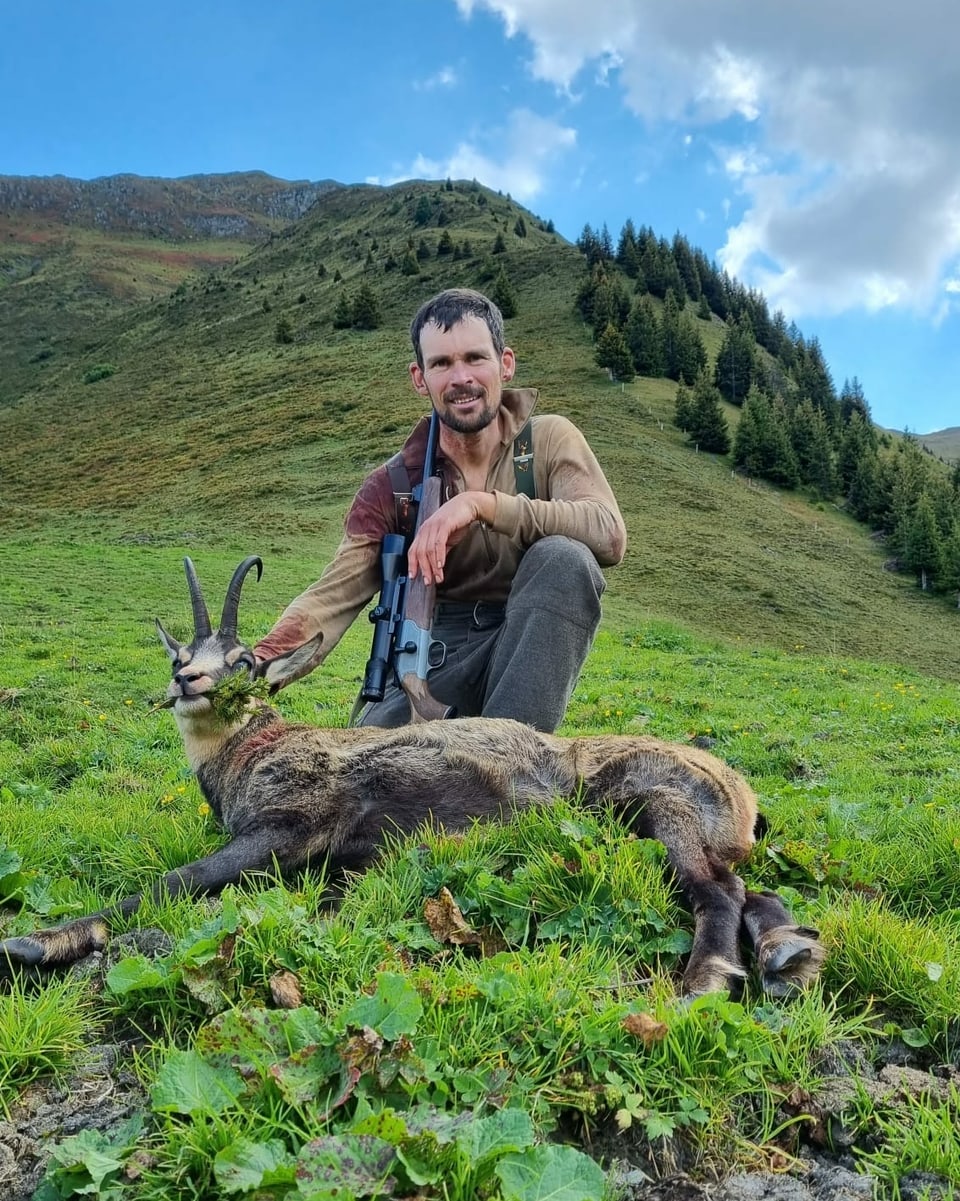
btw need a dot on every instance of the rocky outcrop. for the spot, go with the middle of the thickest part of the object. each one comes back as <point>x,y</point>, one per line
<point>245,205</point>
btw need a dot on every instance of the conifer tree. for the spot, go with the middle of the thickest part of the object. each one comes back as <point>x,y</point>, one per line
<point>423,212</point>
<point>520,227</point>
<point>423,251</point>
<point>499,244</point>
<point>343,313</point>
<point>951,561</point>
<point>644,337</point>
<point>366,308</point>
<point>691,354</point>
<point>503,295</point>
<point>761,445</point>
<point>858,439</point>
<point>410,266</point>
<point>734,369</point>
<point>613,354</point>
<point>445,245</point>
<point>923,546</point>
<point>708,426</point>
<point>683,408</point>
<point>283,330</point>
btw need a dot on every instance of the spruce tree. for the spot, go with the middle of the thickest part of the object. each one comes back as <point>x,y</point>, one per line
<point>503,295</point>
<point>520,227</point>
<point>683,408</point>
<point>613,354</point>
<point>445,245</point>
<point>708,426</point>
<point>283,330</point>
<point>423,212</point>
<point>343,313</point>
<point>923,545</point>
<point>734,369</point>
<point>366,308</point>
<point>644,337</point>
<point>499,244</point>
<point>410,266</point>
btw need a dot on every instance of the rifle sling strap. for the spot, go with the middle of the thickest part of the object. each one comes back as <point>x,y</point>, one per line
<point>403,493</point>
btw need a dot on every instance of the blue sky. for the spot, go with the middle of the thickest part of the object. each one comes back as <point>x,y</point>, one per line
<point>810,149</point>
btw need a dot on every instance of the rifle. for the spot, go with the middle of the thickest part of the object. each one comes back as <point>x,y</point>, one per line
<point>403,617</point>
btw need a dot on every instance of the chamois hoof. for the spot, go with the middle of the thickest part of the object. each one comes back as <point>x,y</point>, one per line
<point>21,952</point>
<point>789,959</point>
<point>713,975</point>
<point>55,948</point>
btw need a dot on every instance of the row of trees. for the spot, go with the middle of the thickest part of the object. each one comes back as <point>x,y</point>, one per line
<point>643,298</point>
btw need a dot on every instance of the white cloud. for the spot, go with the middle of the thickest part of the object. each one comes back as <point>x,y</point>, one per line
<point>836,123</point>
<point>526,150</point>
<point>446,77</point>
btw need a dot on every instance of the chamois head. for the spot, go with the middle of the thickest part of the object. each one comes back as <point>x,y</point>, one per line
<point>200,665</point>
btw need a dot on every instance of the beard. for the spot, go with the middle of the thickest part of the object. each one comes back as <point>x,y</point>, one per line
<point>471,423</point>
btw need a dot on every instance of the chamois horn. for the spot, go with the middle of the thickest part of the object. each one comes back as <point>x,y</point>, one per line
<point>228,622</point>
<point>201,618</point>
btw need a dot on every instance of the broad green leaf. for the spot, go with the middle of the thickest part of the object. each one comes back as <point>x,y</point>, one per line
<point>550,1173</point>
<point>245,1164</point>
<point>10,861</point>
<point>135,973</point>
<point>303,1076</point>
<point>393,1010</point>
<point>186,1083</point>
<point>934,971</point>
<point>913,1036</point>
<point>506,1130</point>
<point>337,1166</point>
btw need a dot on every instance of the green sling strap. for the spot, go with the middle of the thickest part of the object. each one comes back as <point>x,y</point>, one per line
<point>403,492</point>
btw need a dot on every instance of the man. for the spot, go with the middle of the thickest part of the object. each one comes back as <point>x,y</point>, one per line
<point>518,578</point>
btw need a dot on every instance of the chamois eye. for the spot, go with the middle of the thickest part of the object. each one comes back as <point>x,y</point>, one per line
<point>246,660</point>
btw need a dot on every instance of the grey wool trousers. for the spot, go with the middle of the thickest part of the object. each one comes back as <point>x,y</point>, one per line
<point>518,660</point>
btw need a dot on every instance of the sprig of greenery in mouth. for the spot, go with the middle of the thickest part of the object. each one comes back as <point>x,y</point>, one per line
<point>230,697</point>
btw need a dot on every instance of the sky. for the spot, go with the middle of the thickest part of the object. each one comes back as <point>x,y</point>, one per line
<point>812,150</point>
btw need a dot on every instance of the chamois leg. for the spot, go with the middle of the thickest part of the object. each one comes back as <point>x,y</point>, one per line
<point>665,810</point>
<point>67,943</point>
<point>789,957</point>
<point>715,896</point>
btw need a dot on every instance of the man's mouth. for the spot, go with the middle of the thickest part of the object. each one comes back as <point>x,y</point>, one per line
<point>463,398</point>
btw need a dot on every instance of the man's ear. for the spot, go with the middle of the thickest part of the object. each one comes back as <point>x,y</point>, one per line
<point>419,383</point>
<point>283,669</point>
<point>508,364</point>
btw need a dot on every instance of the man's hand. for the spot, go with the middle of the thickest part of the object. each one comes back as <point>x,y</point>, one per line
<point>447,527</point>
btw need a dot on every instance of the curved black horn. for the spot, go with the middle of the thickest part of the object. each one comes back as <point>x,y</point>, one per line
<point>228,622</point>
<point>201,618</point>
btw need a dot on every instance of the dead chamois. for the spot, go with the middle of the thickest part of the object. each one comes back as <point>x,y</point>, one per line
<point>291,794</point>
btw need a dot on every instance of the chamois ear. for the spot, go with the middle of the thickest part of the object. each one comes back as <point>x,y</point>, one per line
<point>283,669</point>
<point>170,645</point>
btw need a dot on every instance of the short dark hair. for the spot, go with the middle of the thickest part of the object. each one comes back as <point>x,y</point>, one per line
<point>449,307</point>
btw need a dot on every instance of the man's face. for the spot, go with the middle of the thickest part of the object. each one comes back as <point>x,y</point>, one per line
<point>462,374</point>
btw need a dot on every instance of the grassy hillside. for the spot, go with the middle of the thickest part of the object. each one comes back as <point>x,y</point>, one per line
<point>944,443</point>
<point>743,618</point>
<point>208,429</point>
<point>73,253</point>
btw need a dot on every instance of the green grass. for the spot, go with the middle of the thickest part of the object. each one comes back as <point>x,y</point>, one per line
<point>566,1008</point>
<point>741,614</point>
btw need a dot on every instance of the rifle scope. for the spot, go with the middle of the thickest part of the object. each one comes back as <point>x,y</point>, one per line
<point>386,616</point>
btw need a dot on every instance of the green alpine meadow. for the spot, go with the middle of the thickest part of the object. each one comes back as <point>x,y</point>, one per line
<point>493,1014</point>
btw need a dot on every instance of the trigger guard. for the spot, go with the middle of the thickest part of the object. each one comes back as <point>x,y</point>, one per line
<point>433,658</point>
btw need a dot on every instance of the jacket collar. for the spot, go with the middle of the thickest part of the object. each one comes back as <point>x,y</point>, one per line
<point>516,405</point>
